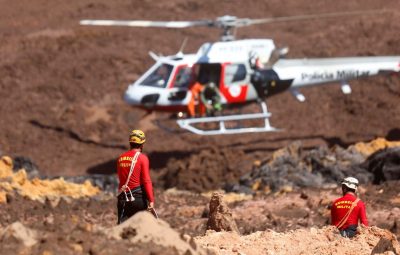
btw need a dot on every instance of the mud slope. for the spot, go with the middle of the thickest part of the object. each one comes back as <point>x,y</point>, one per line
<point>61,85</point>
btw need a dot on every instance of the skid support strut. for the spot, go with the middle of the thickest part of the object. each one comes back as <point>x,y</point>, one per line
<point>188,123</point>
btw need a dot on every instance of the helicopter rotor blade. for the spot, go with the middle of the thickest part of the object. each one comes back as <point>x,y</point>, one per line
<point>224,21</point>
<point>248,22</point>
<point>146,23</point>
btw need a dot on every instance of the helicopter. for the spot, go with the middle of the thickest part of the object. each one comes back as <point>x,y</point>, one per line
<point>245,71</point>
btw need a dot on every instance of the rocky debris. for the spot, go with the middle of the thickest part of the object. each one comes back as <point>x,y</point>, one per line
<point>144,228</point>
<point>220,216</point>
<point>82,224</point>
<point>375,145</point>
<point>38,189</point>
<point>185,211</point>
<point>293,168</point>
<point>70,233</point>
<point>384,165</point>
<point>19,233</point>
<point>107,183</point>
<point>26,163</point>
<point>387,241</point>
<point>326,240</point>
<point>288,168</point>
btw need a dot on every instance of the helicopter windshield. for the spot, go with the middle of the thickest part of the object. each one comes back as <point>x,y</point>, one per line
<point>159,77</point>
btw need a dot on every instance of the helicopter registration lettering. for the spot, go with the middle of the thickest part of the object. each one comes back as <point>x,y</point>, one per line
<point>338,75</point>
<point>240,48</point>
<point>317,76</point>
<point>231,48</point>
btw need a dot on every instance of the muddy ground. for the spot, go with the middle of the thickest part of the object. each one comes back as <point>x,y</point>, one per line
<point>69,223</point>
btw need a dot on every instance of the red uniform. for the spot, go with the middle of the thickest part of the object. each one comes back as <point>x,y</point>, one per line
<point>140,175</point>
<point>342,205</point>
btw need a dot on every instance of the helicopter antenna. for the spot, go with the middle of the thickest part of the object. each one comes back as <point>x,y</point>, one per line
<point>180,52</point>
<point>228,24</point>
<point>153,56</point>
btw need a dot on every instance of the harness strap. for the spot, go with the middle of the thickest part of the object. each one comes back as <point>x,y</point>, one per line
<point>125,186</point>
<point>344,219</point>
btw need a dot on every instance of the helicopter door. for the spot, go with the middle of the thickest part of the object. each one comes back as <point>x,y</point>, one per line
<point>235,82</point>
<point>208,73</point>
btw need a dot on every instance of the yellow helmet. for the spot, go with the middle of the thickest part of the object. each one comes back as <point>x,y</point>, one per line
<point>137,136</point>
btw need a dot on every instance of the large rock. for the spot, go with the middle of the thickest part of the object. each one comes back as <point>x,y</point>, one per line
<point>144,228</point>
<point>20,233</point>
<point>220,216</point>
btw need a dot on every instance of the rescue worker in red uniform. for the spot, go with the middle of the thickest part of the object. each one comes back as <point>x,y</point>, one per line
<point>135,190</point>
<point>348,210</point>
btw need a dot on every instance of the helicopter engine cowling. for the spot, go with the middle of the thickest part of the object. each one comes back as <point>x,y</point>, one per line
<point>268,83</point>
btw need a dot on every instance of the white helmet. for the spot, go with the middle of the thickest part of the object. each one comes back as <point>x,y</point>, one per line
<point>350,182</point>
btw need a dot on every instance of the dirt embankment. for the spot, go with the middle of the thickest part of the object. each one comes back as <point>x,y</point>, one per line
<point>267,225</point>
<point>312,241</point>
<point>53,221</point>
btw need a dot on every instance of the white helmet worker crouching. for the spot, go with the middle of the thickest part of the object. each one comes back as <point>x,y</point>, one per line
<point>350,182</point>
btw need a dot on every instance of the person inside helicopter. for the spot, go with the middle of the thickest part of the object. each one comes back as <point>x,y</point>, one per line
<point>211,98</point>
<point>260,62</point>
<point>205,97</point>
<point>159,77</point>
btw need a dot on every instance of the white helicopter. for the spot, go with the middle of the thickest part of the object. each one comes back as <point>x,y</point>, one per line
<point>245,70</point>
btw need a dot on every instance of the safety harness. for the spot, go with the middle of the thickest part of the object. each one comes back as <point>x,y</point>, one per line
<point>344,219</point>
<point>125,186</point>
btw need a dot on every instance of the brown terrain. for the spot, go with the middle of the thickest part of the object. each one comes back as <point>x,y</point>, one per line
<point>61,106</point>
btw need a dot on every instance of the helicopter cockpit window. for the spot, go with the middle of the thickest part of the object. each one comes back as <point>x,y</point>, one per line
<point>159,77</point>
<point>235,73</point>
<point>183,77</point>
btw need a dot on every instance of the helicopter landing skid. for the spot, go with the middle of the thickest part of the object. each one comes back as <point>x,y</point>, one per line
<point>188,124</point>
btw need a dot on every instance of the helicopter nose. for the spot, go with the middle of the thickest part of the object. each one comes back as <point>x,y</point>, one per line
<point>131,97</point>
<point>138,97</point>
